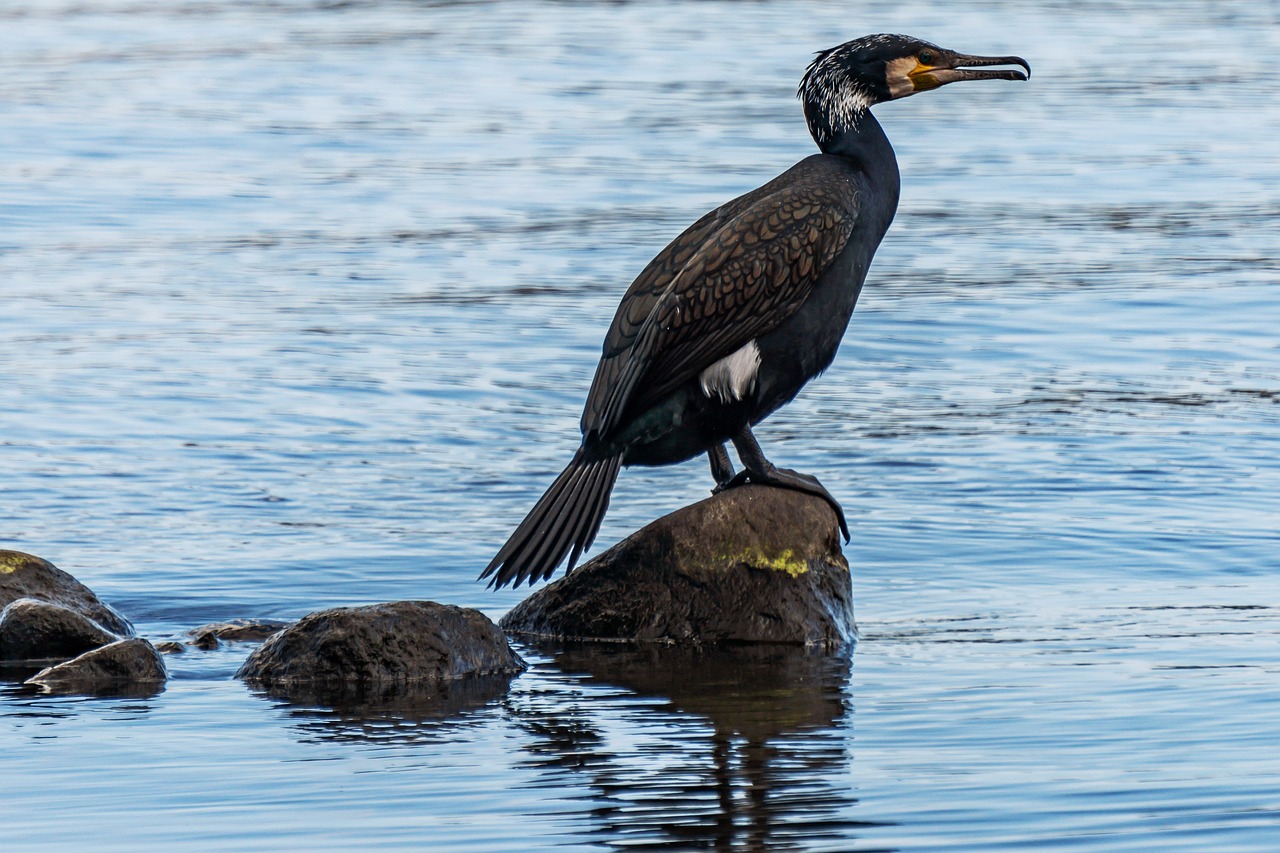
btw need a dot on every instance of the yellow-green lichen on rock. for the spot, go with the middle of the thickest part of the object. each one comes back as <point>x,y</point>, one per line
<point>11,561</point>
<point>786,561</point>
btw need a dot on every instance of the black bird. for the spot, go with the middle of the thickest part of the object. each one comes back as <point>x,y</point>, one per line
<point>731,319</point>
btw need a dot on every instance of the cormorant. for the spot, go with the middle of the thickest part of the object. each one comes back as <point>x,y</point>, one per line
<point>731,319</point>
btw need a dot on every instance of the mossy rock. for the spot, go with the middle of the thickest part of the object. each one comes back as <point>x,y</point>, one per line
<point>28,576</point>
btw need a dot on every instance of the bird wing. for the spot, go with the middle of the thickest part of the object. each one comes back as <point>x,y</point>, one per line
<point>734,275</point>
<point>637,303</point>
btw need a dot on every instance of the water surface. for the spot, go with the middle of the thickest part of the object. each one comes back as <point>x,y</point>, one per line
<point>301,301</point>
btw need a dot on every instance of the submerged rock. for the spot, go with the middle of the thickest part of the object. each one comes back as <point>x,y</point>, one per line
<point>27,576</point>
<point>753,564</point>
<point>32,630</point>
<point>130,665</point>
<point>402,644</point>
<point>238,630</point>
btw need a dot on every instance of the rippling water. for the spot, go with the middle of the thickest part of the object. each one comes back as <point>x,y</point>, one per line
<point>300,303</point>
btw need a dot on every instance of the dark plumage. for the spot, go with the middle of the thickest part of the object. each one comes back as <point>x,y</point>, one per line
<point>732,318</point>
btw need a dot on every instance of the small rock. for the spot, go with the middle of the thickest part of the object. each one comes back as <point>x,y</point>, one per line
<point>33,630</point>
<point>27,576</point>
<point>399,644</point>
<point>241,630</point>
<point>170,647</point>
<point>206,642</point>
<point>123,665</point>
<point>753,564</point>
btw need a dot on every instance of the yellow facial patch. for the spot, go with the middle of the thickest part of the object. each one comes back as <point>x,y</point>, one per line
<point>921,78</point>
<point>906,76</point>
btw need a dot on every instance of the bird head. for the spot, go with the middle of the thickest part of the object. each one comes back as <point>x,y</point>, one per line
<point>843,82</point>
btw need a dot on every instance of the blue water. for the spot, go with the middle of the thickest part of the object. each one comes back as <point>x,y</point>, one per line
<point>300,303</point>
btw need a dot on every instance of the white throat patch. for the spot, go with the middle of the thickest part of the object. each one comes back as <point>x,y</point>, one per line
<point>734,376</point>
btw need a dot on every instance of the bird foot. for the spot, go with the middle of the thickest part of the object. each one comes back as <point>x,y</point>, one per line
<point>733,482</point>
<point>787,479</point>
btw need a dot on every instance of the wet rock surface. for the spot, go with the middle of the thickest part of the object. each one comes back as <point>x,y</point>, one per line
<point>130,666</point>
<point>754,564</point>
<point>28,576</point>
<point>403,645</point>
<point>32,630</point>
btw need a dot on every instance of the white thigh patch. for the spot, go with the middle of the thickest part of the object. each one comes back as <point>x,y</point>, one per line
<point>734,376</point>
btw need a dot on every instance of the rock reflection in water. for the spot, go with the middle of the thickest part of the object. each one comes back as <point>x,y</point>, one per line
<point>385,713</point>
<point>743,747</point>
<point>13,686</point>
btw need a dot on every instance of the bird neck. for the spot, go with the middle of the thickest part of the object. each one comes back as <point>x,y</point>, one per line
<point>865,148</point>
<point>862,139</point>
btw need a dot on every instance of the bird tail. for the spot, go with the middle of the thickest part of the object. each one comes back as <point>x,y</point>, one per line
<point>566,517</point>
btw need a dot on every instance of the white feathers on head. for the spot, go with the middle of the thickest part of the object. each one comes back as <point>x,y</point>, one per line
<point>838,99</point>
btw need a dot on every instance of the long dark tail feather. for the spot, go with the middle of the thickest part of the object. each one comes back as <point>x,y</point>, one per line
<point>567,517</point>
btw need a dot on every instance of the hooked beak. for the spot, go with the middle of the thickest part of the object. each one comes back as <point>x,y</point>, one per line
<point>951,67</point>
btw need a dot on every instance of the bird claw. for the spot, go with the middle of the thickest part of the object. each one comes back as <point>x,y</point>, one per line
<point>815,488</point>
<point>788,479</point>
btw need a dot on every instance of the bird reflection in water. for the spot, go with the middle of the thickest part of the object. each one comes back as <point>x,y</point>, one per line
<point>737,747</point>
<point>729,748</point>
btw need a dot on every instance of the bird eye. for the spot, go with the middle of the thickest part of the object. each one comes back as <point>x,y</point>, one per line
<point>926,57</point>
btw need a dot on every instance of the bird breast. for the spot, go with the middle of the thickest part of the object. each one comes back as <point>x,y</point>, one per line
<point>734,376</point>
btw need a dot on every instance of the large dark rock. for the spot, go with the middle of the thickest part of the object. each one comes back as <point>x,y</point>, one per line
<point>130,666</point>
<point>32,630</point>
<point>403,644</point>
<point>753,564</point>
<point>27,576</point>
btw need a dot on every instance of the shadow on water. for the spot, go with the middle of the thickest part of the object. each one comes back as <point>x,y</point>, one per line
<point>733,748</point>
